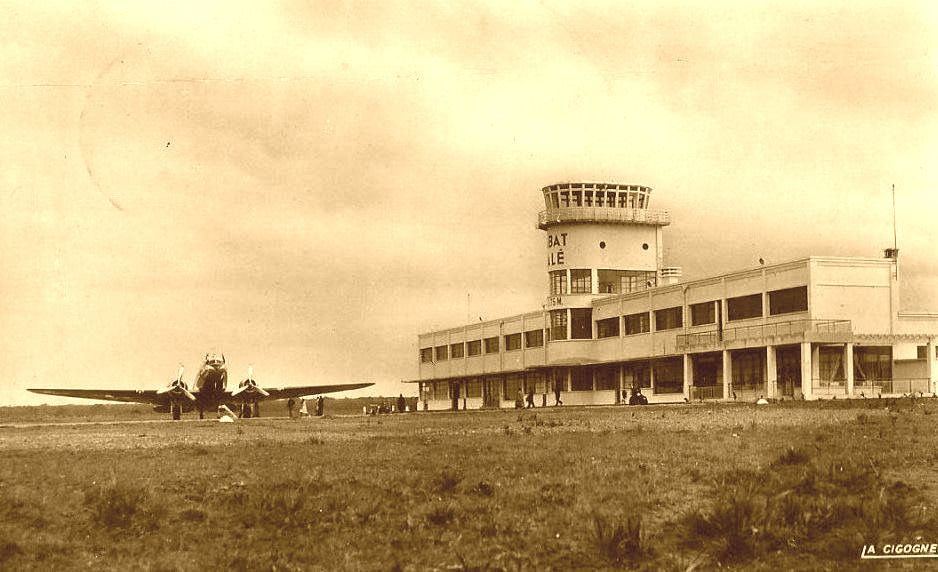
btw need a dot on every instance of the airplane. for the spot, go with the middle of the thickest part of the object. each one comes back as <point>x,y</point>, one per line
<point>209,393</point>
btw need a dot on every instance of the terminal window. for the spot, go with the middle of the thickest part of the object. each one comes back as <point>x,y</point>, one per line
<point>669,318</point>
<point>491,345</point>
<point>607,328</point>
<point>512,342</point>
<point>558,324</point>
<point>426,355</point>
<point>788,300</point>
<point>744,307</point>
<point>534,338</point>
<point>474,347</point>
<point>701,314</point>
<point>636,323</point>
<point>457,350</point>
<point>441,352</point>
<point>580,281</point>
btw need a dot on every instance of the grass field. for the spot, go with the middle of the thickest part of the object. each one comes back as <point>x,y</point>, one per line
<point>786,486</point>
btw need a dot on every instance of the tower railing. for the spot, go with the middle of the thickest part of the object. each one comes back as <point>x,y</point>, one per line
<point>603,214</point>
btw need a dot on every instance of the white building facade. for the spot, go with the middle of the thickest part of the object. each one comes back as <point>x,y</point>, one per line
<point>616,320</point>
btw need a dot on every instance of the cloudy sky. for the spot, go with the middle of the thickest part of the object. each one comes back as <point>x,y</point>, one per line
<point>307,186</point>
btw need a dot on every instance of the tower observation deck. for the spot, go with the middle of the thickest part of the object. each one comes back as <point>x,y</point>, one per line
<point>602,239</point>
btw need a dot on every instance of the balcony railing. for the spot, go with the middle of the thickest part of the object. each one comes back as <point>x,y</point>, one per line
<point>874,388</point>
<point>603,214</point>
<point>775,329</point>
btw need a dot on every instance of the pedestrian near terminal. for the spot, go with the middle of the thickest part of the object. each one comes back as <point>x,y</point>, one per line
<point>530,402</point>
<point>290,404</point>
<point>557,400</point>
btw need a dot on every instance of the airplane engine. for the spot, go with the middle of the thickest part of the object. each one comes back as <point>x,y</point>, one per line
<point>179,395</point>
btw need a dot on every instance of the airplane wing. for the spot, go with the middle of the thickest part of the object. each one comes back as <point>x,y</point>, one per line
<point>124,395</point>
<point>300,391</point>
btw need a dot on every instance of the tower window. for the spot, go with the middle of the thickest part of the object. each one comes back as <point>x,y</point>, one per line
<point>558,282</point>
<point>558,324</point>
<point>581,323</point>
<point>581,281</point>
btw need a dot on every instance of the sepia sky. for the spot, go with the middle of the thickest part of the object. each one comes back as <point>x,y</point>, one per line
<point>306,186</point>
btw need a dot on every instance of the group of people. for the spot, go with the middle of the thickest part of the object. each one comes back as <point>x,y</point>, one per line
<point>304,409</point>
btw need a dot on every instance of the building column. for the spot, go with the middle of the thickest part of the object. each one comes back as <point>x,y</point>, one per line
<point>806,370</point>
<point>848,367</point>
<point>930,368</point>
<point>688,375</point>
<point>771,373</point>
<point>727,374</point>
<point>651,376</point>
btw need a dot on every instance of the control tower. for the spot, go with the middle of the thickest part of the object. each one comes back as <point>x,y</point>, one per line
<point>602,239</point>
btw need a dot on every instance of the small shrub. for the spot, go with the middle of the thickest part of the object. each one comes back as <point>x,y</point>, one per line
<point>9,549</point>
<point>793,456</point>
<point>118,505</point>
<point>448,482</point>
<point>485,489</point>
<point>441,515</point>
<point>620,543</point>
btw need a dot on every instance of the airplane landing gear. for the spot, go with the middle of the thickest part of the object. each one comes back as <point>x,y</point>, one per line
<point>245,411</point>
<point>176,410</point>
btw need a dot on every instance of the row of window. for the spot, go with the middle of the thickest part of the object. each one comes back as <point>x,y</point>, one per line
<point>581,324</point>
<point>531,339</point>
<point>610,281</point>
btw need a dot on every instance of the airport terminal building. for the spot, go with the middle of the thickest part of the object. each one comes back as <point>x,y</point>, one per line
<point>615,319</point>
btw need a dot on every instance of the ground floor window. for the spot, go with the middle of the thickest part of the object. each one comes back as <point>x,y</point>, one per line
<point>748,368</point>
<point>831,363</point>
<point>513,383</point>
<point>607,377</point>
<point>872,363</point>
<point>535,381</point>
<point>669,376</point>
<point>581,379</point>
<point>636,375</point>
<point>473,387</point>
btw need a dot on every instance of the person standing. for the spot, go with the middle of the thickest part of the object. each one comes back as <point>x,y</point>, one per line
<point>530,401</point>
<point>290,404</point>
<point>304,412</point>
<point>319,406</point>
<point>557,400</point>
<point>401,403</point>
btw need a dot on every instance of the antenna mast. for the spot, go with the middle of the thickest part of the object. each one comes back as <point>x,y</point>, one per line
<point>895,243</point>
